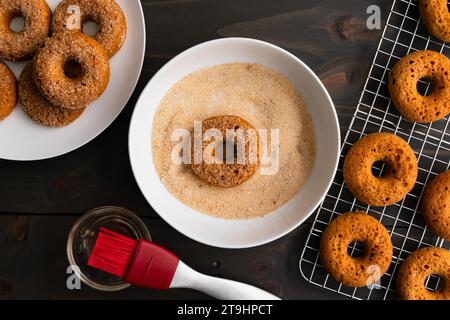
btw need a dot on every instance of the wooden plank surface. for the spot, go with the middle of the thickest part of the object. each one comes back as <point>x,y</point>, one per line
<point>39,201</point>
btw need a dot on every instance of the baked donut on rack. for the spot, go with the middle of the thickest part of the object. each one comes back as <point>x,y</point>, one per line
<point>400,175</point>
<point>435,205</point>
<point>376,254</point>
<point>72,90</point>
<point>21,45</point>
<point>415,270</point>
<point>403,80</point>
<point>436,17</point>
<point>107,14</point>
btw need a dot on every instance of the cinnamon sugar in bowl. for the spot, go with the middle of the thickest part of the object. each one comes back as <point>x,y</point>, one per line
<point>263,97</point>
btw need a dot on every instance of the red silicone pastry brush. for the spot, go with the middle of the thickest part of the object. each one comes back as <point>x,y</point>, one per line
<point>145,264</point>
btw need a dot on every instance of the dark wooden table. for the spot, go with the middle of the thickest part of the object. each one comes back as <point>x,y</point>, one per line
<point>39,201</point>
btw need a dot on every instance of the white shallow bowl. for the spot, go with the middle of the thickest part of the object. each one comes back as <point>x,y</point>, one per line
<point>236,233</point>
<point>23,139</point>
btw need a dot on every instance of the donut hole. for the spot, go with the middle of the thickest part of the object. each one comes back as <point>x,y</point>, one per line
<point>90,28</point>
<point>73,69</point>
<point>222,151</point>
<point>424,86</point>
<point>355,249</point>
<point>17,23</point>
<point>380,169</point>
<point>434,282</point>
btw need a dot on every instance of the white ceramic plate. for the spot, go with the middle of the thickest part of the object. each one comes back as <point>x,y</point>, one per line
<point>23,139</point>
<point>236,233</point>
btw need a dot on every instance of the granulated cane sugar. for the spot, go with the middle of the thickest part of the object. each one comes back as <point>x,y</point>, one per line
<point>264,98</point>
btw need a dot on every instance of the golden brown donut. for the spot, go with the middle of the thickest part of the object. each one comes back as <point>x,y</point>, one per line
<point>399,179</point>
<point>435,205</point>
<point>21,45</point>
<point>377,249</point>
<point>403,80</point>
<point>226,174</point>
<point>417,267</point>
<point>8,91</point>
<point>53,82</point>
<point>39,109</point>
<point>112,27</point>
<point>436,17</point>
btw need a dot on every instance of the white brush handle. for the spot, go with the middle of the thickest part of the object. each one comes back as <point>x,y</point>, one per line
<point>223,289</point>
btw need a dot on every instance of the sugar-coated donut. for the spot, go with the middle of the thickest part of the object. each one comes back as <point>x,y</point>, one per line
<point>112,27</point>
<point>8,91</point>
<point>377,249</point>
<point>436,17</point>
<point>399,178</point>
<point>39,109</point>
<point>22,45</point>
<point>226,174</point>
<point>435,205</point>
<point>417,268</point>
<point>53,82</point>
<point>403,80</point>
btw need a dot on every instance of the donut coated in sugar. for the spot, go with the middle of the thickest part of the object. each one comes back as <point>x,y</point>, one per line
<point>39,109</point>
<point>107,14</point>
<point>21,45</point>
<point>8,91</point>
<point>50,76</point>
<point>226,174</point>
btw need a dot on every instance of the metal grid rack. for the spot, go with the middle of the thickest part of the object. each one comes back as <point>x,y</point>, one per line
<point>403,33</point>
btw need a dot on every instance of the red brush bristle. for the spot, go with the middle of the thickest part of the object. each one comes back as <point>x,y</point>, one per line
<point>112,252</point>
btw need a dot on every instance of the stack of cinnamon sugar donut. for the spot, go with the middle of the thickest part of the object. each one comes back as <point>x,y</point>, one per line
<point>399,179</point>
<point>69,70</point>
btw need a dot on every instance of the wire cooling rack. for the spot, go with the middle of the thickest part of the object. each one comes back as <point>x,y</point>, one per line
<point>403,33</point>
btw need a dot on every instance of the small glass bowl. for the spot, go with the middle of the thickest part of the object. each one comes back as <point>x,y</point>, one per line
<point>82,238</point>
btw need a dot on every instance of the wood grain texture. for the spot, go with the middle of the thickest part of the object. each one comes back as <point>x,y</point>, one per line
<point>39,201</point>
